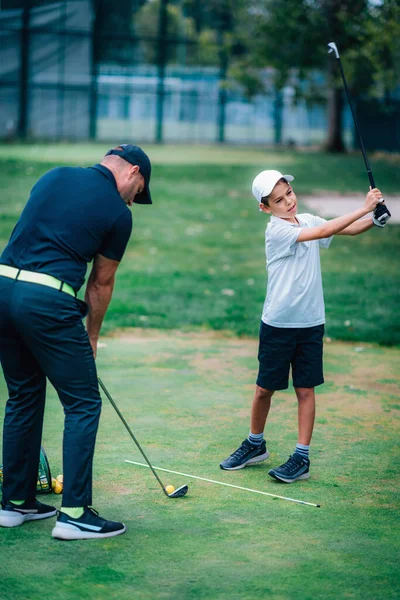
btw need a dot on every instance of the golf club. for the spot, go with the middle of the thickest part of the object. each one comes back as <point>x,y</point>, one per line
<point>381,212</point>
<point>179,492</point>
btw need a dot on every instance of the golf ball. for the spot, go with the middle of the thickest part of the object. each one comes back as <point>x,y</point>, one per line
<point>169,489</point>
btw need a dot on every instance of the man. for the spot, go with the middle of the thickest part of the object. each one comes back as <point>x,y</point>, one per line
<point>73,216</point>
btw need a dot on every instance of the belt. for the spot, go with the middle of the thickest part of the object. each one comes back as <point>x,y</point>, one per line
<point>40,278</point>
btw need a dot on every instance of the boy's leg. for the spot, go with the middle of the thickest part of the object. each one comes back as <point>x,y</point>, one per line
<point>260,409</point>
<point>275,350</point>
<point>306,414</point>
<point>251,451</point>
<point>307,373</point>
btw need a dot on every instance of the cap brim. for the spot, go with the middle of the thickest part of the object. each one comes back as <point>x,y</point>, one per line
<point>144,197</point>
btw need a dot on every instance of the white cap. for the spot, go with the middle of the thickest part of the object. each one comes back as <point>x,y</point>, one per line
<point>265,182</point>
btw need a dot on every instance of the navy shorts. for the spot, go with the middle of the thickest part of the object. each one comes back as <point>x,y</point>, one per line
<point>280,348</point>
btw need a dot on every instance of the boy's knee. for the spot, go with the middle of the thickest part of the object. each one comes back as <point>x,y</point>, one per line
<point>304,394</point>
<point>263,393</point>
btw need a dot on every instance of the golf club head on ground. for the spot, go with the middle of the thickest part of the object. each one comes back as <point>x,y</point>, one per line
<point>179,492</point>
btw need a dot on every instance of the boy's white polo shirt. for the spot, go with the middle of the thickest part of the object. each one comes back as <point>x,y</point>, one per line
<point>294,291</point>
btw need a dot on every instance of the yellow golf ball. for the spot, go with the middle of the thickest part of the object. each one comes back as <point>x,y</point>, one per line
<point>60,478</point>
<point>58,488</point>
<point>169,489</point>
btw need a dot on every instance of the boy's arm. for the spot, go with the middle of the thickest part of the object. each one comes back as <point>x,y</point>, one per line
<point>334,226</point>
<point>357,227</point>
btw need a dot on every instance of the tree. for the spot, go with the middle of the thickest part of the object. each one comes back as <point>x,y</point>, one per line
<point>292,37</point>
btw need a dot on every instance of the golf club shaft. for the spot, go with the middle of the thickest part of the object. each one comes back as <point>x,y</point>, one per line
<point>379,210</point>
<point>238,487</point>
<point>103,387</point>
<point>364,152</point>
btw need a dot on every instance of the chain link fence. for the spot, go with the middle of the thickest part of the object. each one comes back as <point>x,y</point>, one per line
<point>69,70</point>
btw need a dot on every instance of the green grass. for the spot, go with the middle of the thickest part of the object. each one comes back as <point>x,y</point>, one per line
<point>187,398</point>
<point>196,257</point>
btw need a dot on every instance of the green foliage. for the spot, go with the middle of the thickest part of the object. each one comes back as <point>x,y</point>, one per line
<point>292,36</point>
<point>208,48</point>
<point>146,24</point>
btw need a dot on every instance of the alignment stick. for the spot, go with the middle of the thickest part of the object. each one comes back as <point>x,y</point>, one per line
<point>238,487</point>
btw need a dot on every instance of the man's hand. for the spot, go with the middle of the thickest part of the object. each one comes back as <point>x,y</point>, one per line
<point>93,343</point>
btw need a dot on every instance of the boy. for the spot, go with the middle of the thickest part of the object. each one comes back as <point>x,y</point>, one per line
<point>292,325</point>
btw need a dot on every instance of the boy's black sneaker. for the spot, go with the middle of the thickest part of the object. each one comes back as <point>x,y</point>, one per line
<point>246,454</point>
<point>12,515</point>
<point>296,467</point>
<point>87,527</point>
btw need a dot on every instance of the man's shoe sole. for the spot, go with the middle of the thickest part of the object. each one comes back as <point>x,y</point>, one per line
<point>63,531</point>
<point>251,461</point>
<point>280,478</point>
<point>10,518</point>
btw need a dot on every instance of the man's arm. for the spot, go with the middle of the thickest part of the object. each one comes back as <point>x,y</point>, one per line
<point>334,226</point>
<point>98,294</point>
<point>357,227</point>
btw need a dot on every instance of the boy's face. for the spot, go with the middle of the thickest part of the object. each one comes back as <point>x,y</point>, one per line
<point>282,201</point>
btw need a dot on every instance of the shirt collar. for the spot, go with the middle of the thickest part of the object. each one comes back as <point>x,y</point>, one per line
<point>105,172</point>
<point>277,220</point>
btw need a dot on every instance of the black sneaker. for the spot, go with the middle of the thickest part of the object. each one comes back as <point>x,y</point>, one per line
<point>246,454</point>
<point>88,526</point>
<point>297,467</point>
<point>12,515</point>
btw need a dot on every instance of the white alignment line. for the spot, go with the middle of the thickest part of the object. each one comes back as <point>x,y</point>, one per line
<point>238,487</point>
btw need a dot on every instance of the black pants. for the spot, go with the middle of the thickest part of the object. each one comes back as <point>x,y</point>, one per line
<point>42,335</point>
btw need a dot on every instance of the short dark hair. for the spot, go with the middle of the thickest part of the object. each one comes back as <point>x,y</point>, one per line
<point>265,199</point>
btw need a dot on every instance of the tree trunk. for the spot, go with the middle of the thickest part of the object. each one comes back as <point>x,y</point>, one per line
<point>335,141</point>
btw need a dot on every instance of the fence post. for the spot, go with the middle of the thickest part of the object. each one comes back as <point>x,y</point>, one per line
<point>24,73</point>
<point>278,116</point>
<point>162,60</point>
<point>93,92</point>
<point>222,94</point>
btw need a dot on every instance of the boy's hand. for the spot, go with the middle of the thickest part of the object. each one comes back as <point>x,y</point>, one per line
<point>373,198</point>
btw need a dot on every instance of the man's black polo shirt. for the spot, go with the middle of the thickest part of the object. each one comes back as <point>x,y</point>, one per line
<point>72,214</point>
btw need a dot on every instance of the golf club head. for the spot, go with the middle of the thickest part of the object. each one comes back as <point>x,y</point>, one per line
<point>333,48</point>
<point>179,492</point>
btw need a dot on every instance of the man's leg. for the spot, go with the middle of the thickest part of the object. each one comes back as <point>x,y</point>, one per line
<point>50,324</point>
<point>71,368</point>
<point>23,422</point>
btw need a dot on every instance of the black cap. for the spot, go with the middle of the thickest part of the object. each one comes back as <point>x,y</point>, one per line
<point>136,156</point>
